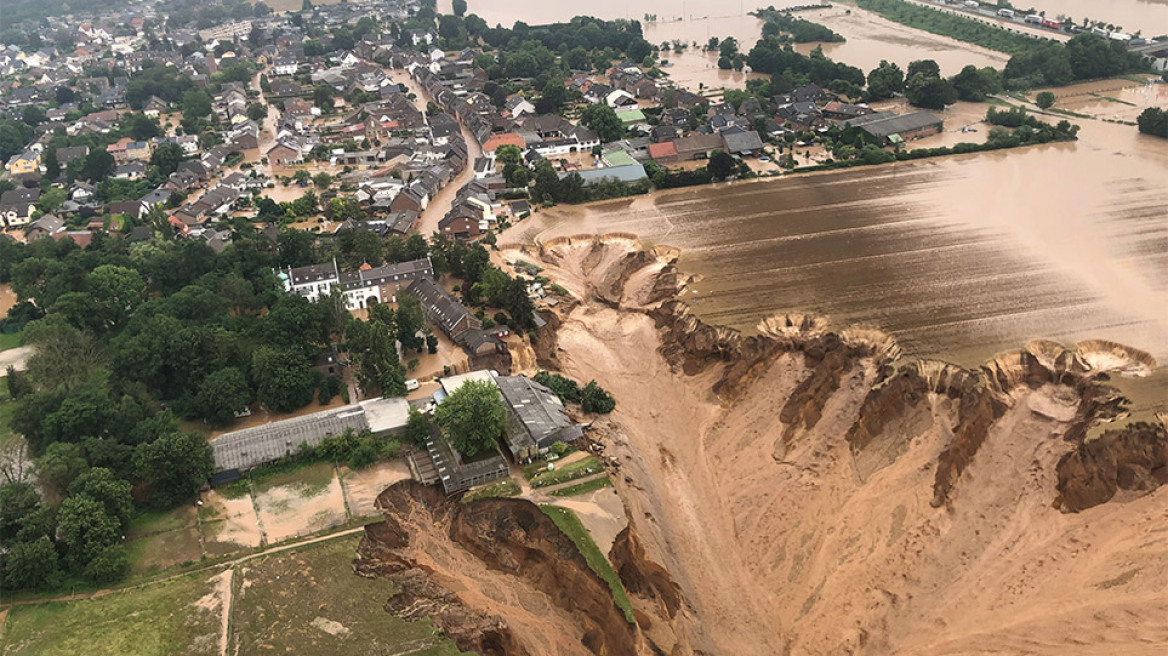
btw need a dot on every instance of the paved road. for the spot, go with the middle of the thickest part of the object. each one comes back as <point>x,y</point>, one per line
<point>15,357</point>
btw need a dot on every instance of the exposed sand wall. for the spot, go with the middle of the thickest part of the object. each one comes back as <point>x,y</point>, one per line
<point>808,493</point>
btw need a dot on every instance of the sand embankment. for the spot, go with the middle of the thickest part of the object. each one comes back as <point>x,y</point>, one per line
<point>810,493</point>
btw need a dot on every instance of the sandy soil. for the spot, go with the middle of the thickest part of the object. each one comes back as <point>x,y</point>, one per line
<point>779,547</point>
<point>291,510</point>
<point>7,299</point>
<point>228,525</point>
<point>362,486</point>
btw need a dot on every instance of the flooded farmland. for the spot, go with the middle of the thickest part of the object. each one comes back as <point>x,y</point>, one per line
<point>959,258</point>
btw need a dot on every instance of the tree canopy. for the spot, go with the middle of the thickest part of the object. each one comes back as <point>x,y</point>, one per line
<point>472,417</point>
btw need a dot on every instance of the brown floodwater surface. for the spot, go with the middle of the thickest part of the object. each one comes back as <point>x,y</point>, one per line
<point>959,258</point>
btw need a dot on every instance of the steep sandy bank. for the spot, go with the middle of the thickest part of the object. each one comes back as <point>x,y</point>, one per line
<point>810,494</point>
<point>495,575</point>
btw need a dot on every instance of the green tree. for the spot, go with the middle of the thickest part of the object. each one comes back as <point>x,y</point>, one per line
<point>472,417</point>
<point>458,7</point>
<point>554,95</point>
<point>885,80</point>
<point>174,467</point>
<point>196,103</point>
<point>509,154</point>
<point>61,463</point>
<point>221,395</point>
<point>140,127</point>
<point>595,399</point>
<point>1153,121</point>
<point>602,119</point>
<point>417,427</point>
<point>410,321</point>
<point>256,111</point>
<point>926,67</point>
<point>18,499</point>
<point>283,378</point>
<point>99,165</point>
<point>86,529</point>
<point>113,493</point>
<point>322,180</point>
<point>52,166</point>
<point>108,565</point>
<point>30,565</point>
<point>930,92</point>
<point>721,165</point>
<point>1044,99</point>
<point>167,157</point>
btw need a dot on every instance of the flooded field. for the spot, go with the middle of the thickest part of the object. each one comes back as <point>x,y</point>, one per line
<point>959,258</point>
<point>871,38</point>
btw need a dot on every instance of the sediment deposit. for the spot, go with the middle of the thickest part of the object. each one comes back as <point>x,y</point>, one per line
<point>809,492</point>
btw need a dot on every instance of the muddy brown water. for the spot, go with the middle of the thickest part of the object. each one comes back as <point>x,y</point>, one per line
<point>959,258</point>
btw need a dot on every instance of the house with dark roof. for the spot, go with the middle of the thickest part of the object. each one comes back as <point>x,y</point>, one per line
<point>741,142</point>
<point>442,309</point>
<point>536,418</point>
<point>891,128</point>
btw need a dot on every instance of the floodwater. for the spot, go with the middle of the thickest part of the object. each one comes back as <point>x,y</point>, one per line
<point>1150,17</point>
<point>871,38</point>
<point>959,258</point>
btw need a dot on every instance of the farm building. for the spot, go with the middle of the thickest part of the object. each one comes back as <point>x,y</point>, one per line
<point>895,128</point>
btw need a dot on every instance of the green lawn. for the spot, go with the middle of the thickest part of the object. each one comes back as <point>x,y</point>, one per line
<point>570,524</point>
<point>506,488</point>
<point>583,488</point>
<point>8,341</point>
<point>541,477</point>
<point>310,479</point>
<point>159,619</point>
<point>310,601</point>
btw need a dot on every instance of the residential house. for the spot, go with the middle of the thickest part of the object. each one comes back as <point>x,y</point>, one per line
<point>46,226</point>
<point>362,288</point>
<point>518,106</point>
<point>24,162</point>
<point>741,142</point>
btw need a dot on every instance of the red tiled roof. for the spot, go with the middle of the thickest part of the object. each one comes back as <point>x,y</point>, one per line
<point>509,138</point>
<point>659,150</point>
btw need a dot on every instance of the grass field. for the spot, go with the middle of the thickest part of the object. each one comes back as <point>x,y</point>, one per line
<point>582,488</point>
<point>310,601</point>
<point>164,618</point>
<point>540,477</point>
<point>507,488</point>
<point>570,524</point>
<point>8,341</point>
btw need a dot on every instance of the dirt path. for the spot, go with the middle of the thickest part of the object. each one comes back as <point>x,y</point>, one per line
<point>15,357</point>
<point>229,563</point>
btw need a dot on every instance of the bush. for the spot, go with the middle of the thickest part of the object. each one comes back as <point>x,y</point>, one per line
<point>565,388</point>
<point>596,399</point>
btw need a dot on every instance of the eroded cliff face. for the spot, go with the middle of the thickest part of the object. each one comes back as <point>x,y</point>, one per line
<point>1132,459</point>
<point>495,575</point>
<point>807,490</point>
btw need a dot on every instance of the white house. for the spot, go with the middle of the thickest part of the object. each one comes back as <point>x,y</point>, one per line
<point>360,289</point>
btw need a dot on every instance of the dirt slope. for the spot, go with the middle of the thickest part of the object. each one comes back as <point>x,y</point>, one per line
<point>809,494</point>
